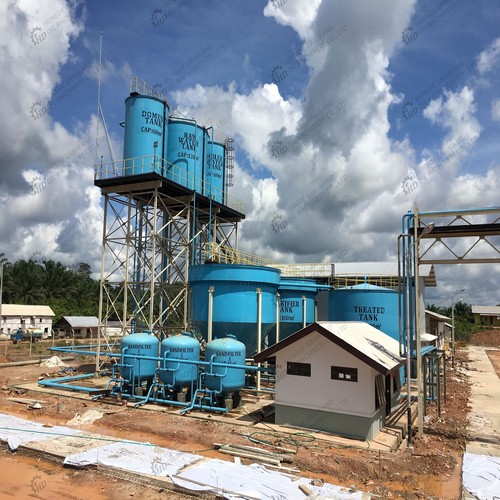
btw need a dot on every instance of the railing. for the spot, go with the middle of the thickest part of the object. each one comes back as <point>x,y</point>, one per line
<point>141,87</point>
<point>221,254</point>
<point>385,281</point>
<point>155,164</point>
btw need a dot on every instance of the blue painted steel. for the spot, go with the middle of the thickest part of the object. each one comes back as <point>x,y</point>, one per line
<point>215,171</point>
<point>185,153</point>
<point>291,291</point>
<point>228,351</point>
<point>370,304</point>
<point>134,347</point>
<point>235,300</point>
<point>173,373</point>
<point>145,123</point>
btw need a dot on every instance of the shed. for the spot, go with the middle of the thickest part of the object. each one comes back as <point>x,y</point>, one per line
<point>26,317</point>
<point>338,377</point>
<point>77,326</point>
<point>489,315</point>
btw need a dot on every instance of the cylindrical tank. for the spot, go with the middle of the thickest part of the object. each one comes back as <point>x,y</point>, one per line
<point>133,347</point>
<point>229,351</point>
<point>215,171</point>
<point>182,346</point>
<point>146,120</point>
<point>295,293</point>
<point>371,304</point>
<point>235,300</point>
<point>185,153</point>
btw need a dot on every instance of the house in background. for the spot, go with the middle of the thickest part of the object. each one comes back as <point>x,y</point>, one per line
<point>436,324</point>
<point>489,315</point>
<point>338,377</point>
<point>77,326</point>
<point>26,317</point>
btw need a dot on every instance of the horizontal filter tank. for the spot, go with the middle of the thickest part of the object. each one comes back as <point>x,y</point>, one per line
<point>295,295</point>
<point>134,348</point>
<point>185,153</point>
<point>235,300</point>
<point>371,304</point>
<point>229,351</point>
<point>215,171</point>
<point>146,120</point>
<point>179,347</point>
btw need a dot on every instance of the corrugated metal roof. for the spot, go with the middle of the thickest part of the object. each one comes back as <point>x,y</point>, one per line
<point>486,310</point>
<point>427,337</point>
<point>437,315</point>
<point>25,310</point>
<point>368,344</point>
<point>82,321</point>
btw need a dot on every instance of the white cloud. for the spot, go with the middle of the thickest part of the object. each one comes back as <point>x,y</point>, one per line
<point>489,57</point>
<point>495,110</point>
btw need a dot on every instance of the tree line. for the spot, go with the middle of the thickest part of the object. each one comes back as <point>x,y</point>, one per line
<point>68,291</point>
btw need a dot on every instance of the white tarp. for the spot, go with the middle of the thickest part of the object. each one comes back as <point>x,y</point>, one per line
<point>136,457</point>
<point>481,476</point>
<point>17,431</point>
<point>234,481</point>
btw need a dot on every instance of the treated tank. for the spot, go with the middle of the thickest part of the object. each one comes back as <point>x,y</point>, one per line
<point>229,351</point>
<point>185,153</point>
<point>294,294</point>
<point>182,346</point>
<point>235,300</point>
<point>134,346</point>
<point>215,171</point>
<point>146,120</point>
<point>371,304</point>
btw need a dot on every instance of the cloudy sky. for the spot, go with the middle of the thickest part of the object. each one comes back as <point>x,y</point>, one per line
<point>344,113</point>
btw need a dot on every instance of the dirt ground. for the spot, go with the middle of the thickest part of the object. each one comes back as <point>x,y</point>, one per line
<point>487,338</point>
<point>433,470</point>
<point>495,360</point>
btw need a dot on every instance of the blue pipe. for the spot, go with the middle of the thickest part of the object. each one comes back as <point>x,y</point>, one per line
<point>58,383</point>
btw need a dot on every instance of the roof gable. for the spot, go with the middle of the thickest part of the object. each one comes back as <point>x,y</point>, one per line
<point>26,310</point>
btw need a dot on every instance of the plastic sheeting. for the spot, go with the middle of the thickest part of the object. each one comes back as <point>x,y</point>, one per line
<point>481,476</point>
<point>233,481</point>
<point>17,431</point>
<point>143,458</point>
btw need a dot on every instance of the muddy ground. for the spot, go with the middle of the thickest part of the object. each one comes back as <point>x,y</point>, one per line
<point>433,470</point>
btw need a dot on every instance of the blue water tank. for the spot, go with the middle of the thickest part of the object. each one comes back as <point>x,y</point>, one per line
<point>234,300</point>
<point>371,304</point>
<point>215,171</point>
<point>146,120</point>
<point>185,153</point>
<point>292,291</point>
<point>173,373</point>
<point>229,351</point>
<point>133,347</point>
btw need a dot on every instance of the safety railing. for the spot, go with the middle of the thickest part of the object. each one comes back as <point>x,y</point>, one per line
<point>385,281</point>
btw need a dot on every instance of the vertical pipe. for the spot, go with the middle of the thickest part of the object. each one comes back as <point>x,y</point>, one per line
<point>210,312</point>
<point>315,310</point>
<point>278,304</point>
<point>439,384</point>
<point>304,318</point>
<point>408,342</point>
<point>418,326</point>
<point>153,263</point>
<point>127,258</point>
<point>259,329</point>
<point>453,332</point>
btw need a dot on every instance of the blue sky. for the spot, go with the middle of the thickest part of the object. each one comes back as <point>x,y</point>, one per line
<point>363,94</point>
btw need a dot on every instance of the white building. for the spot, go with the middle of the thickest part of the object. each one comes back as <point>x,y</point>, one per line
<point>16,316</point>
<point>436,324</point>
<point>338,377</point>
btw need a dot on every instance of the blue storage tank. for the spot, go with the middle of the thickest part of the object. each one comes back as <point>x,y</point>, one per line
<point>185,153</point>
<point>146,120</point>
<point>234,300</point>
<point>292,291</point>
<point>215,171</point>
<point>229,351</point>
<point>182,346</point>
<point>371,304</point>
<point>134,346</point>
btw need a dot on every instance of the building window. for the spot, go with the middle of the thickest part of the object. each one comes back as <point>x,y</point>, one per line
<point>343,373</point>
<point>300,369</point>
<point>40,320</point>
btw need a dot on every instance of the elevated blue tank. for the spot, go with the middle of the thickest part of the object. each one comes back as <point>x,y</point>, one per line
<point>371,304</point>
<point>134,346</point>
<point>229,351</point>
<point>182,346</point>
<point>185,153</point>
<point>146,120</point>
<point>292,291</point>
<point>234,300</point>
<point>215,171</point>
